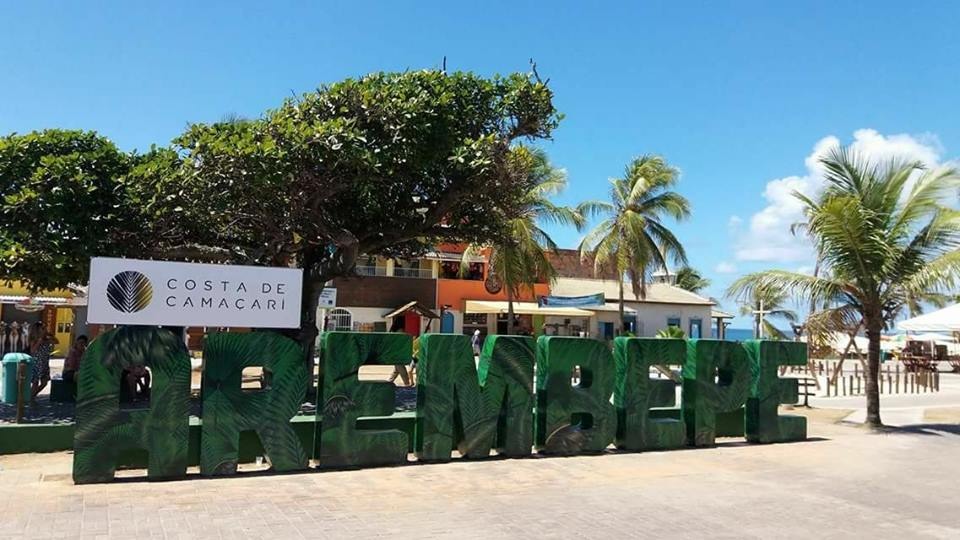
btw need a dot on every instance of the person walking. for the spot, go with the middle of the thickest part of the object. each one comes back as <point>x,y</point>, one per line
<point>476,342</point>
<point>41,347</point>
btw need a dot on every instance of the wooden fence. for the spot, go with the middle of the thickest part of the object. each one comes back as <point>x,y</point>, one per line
<point>893,379</point>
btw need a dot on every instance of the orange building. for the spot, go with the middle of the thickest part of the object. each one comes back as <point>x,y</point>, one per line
<point>473,300</point>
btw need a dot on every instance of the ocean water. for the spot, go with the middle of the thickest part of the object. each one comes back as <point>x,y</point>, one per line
<point>739,334</point>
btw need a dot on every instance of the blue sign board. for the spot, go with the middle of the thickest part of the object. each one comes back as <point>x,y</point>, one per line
<point>572,301</point>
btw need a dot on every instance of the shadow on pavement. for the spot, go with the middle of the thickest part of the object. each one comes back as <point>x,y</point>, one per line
<point>938,430</point>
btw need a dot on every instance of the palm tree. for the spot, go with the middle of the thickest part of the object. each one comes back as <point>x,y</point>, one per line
<point>691,280</point>
<point>671,332</point>
<point>632,238</point>
<point>520,260</point>
<point>886,238</point>
<point>771,303</point>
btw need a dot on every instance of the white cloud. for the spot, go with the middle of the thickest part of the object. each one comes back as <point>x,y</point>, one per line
<point>725,268</point>
<point>768,238</point>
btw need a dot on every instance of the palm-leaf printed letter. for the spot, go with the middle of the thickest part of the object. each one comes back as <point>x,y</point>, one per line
<point>768,391</point>
<point>574,419</point>
<point>636,393</point>
<point>104,428</point>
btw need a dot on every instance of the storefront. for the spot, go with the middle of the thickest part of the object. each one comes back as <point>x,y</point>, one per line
<point>19,311</point>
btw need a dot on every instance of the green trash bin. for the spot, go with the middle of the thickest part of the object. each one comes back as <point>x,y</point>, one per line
<point>8,377</point>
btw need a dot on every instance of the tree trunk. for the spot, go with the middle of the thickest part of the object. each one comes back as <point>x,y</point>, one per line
<point>620,323</point>
<point>874,324</point>
<point>813,301</point>
<point>307,336</point>
<point>509,311</point>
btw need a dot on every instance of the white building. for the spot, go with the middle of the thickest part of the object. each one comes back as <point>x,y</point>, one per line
<point>664,305</point>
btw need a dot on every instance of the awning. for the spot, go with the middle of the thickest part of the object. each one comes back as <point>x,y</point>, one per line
<point>524,308</point>
<point>610,306</point>
<point>43,300</point>
<point>717,314</point>
<point>415,307</point>
<point>944,320</point>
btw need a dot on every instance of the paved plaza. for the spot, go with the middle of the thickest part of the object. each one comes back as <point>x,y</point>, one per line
<point>844,482</point>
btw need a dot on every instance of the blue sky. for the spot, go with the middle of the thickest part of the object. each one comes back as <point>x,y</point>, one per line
<point>736,94</point>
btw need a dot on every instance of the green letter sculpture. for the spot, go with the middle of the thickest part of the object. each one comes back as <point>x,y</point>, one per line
<point>506,376</point>
<point>104,428</point>
<point>448,391</point>
<point>345,399</point>
<point>768,391</point>
<point>636,393</point>
<point>716,378</point>
<point>574,419</point>
<point>228,409</point>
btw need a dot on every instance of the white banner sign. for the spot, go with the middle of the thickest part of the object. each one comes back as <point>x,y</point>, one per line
<point>328,298</point>
<point>161,293</point>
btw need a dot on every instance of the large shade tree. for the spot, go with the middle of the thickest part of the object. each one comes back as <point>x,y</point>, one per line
<point>886,236</point>
<point>520,259</point>
<point>388,164</point>
<point>632,237</point>
<point>64,200</point>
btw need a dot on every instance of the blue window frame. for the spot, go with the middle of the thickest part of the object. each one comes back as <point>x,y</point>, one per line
<point>696,328</point>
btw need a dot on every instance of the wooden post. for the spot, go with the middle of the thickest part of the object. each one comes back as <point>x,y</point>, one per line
<point>889,383</point>
<point>936,380</point>
<point>21,377</point>
<point>898,378</point>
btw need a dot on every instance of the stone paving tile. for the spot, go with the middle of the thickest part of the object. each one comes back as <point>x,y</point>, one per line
<point>843,483</point>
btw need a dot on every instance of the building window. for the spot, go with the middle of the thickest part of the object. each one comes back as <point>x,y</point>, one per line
<point>475,319</point>
<point>451,270</point>
<point>673,321</point>
<point>696,326</point>
<point>340,319</point>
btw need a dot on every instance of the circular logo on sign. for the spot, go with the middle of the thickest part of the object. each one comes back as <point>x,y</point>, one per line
<point>129,291</point>
<point>493,284</point>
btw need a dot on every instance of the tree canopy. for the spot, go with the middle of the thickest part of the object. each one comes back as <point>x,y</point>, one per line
<point>64,201</point>
<point>388,163</point>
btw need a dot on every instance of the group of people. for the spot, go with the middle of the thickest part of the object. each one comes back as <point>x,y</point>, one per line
<point>42,345</point>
